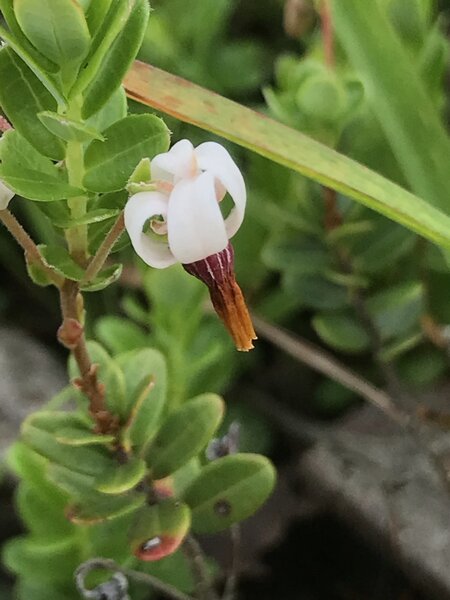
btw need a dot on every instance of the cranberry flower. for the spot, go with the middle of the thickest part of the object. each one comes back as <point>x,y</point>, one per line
<point>180,221</point>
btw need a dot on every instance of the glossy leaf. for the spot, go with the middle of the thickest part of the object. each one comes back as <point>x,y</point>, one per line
<point>146,387</point>
<point>96,14</point>
<point>103,279</point>
<point>118,59</point>
<point>121,478</point>
<point>16,151</point>
<point>114,110</point>
<point>57,28</point>
<point>184,434</point>
<point>36,185</point>
<point>159,530</point>
<point>109,164</point>
<point>109,507</point>
<point>229,490</point>
<point>29,59</point>
<point>7,9</point>
<point>89,461</point>
<point>77,436</point>
<point>60,260</point>
<point>60,216</point>
<point>68,129</point>
<point>22,96</point>
<point>288,147</point>
<point>341,331</point>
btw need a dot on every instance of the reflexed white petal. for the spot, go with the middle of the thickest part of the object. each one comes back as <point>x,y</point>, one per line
<point>195,223</point>
<point>213,158</point>
<point>176,164</point>
<point>5,196</point>
<point>138,210</point>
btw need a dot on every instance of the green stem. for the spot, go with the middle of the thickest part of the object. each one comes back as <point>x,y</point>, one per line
<point>76,236</point>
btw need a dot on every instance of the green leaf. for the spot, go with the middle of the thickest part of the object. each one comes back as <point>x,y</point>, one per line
<point>109,164</point>
<point>341,331</point>
<point>105,509</point>
<point>90,461</point>
<point>22,96</point>
<point>44,517</point>
<point>114,110</point>
<point>103,279</point>
<point>36,185</point>
<point>315,291</point>
<point>120,335</point>
<point>96,14</point>
<point>7,9</point>
<point>72,483</point>
<point>140,367</point>
<point>414,129</point>
<point>32,558</point>
<point>229,490</point>
<point>397,310</point>
<point>16,151</point>
<point>61,216</point>
<point>110,375</point>
<point>68,129</point>
<point>121,478</point>
<point>110,68</point>
<point>305,254</point>
<point>286,146</point>
<point>77,436</point>
<point>57,28</point>
<point>165,524</point>
<point>60,260</point>
<point>31,466</point>
<point>184,434</point>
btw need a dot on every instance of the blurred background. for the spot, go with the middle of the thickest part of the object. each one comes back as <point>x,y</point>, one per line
<point>361,509</point>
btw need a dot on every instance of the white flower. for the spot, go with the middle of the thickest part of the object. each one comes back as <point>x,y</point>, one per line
<point>189,184</point>
<point>5,196</point>
<point>187,225</point>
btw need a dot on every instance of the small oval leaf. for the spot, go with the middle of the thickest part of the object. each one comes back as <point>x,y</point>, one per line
<point>159,530</point>
<point>57,28</point>
<point>110,164</point>
<point>121,478</point>
<point>229,490</point>
<point>184,434</point>
<point>67,129</point>
<point>104,509</point>
<point>117,61</point>
<point>76,436</point>
<point>146,387</point>
<point>103,279</point>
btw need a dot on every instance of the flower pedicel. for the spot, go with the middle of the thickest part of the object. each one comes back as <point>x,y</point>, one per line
<point>180,221</point>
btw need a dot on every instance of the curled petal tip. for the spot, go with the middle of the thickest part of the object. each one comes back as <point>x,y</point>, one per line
<point>217,272</point>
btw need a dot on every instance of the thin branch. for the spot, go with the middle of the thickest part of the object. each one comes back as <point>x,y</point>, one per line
<point>104,250</point>
<point>325,363</point>
<point>163,588</point>
<point>229,592</point>
<point>71,334</point>
<point>327,34</point>
<point>194,553</point>
<point>32,253</point>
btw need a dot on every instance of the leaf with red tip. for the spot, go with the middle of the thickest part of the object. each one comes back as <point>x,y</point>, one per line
<point>159,530</point>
